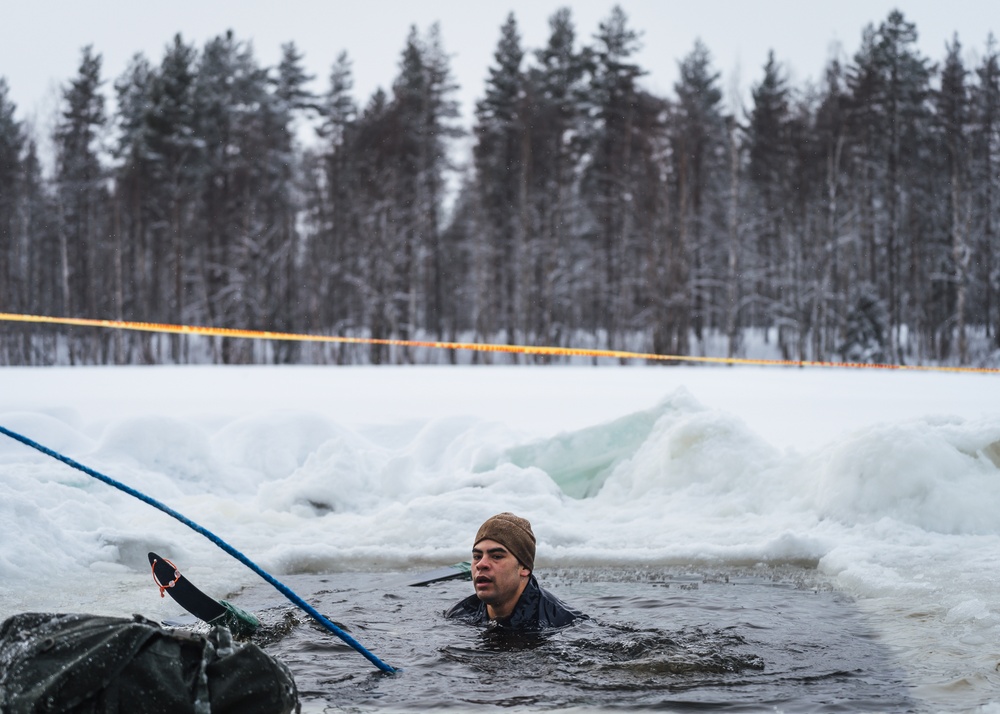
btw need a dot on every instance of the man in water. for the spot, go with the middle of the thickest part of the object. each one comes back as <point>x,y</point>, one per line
<point>507,594</point>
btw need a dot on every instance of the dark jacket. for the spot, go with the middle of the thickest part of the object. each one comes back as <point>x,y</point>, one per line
<point>536,609</point>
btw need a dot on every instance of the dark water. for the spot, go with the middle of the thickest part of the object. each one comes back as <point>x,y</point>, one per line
<point>678,640</point>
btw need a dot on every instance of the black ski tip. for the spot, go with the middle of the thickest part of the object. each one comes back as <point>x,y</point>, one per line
<point>456,571</point>
<point>183,592</point>
<point>163,571</point>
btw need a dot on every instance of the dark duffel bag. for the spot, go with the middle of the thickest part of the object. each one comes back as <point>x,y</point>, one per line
<point>87,664</point>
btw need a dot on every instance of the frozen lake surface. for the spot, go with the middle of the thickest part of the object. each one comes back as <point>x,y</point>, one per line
<point>874,495</point>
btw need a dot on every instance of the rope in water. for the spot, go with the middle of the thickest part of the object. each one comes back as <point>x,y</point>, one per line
<point>466,346</point>
<point>280,587</point>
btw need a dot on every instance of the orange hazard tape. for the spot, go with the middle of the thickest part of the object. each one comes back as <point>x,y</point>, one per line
<point>470,346</point>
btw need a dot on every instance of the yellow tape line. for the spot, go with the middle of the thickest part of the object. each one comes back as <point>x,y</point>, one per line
<point>469,346</point>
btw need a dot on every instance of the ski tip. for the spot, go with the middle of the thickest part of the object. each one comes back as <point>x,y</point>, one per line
<point>155,558</point>
<point>456,571</point>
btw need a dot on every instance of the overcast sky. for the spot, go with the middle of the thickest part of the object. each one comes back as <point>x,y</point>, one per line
<point>41,40</point>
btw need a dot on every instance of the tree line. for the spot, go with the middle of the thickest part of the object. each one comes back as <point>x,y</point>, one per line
<point>851,219</point>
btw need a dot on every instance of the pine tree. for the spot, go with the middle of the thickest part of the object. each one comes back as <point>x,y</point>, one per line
<point>890,84</point>
<point>784,172</point>
<point>501,173</point>
<point>332,205</point>
<point>437,129</point>
<point>178,153</point>
<point>81,193</point>
<point>907,77</point>
<point>281,199</point>
<point>135,197</point>
<point>865,330</point>
<point>38,264</point>
<point>290,84</point>
<point>12,141</point>
<point>952,119</point>
<point>697,138</point>
<point>769,166</point>
<point>377,199</point>
<point>236,117</point>
<point>337,107</point>
<point>832,140</point>
<point>556,90</point>
<point>866,119</point>
<point>615,101</point>
<point>807,275</point>
<point>391,160</point>
<point>409,98</point>
<point>986,158</point>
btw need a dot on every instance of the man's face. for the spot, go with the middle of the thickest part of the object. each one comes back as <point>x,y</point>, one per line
<point>498,577</point>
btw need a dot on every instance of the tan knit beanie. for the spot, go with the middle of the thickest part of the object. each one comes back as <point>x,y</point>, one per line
<point>513,533</point>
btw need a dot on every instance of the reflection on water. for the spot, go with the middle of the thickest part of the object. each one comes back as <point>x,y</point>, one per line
<point>741,640</point>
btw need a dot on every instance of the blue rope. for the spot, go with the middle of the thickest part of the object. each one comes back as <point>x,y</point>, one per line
<point>281,587</point>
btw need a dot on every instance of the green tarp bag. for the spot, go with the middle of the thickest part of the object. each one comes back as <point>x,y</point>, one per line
<point>87,664</point>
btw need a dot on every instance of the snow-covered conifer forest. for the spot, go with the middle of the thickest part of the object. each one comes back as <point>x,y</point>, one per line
<point>854,219</point>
